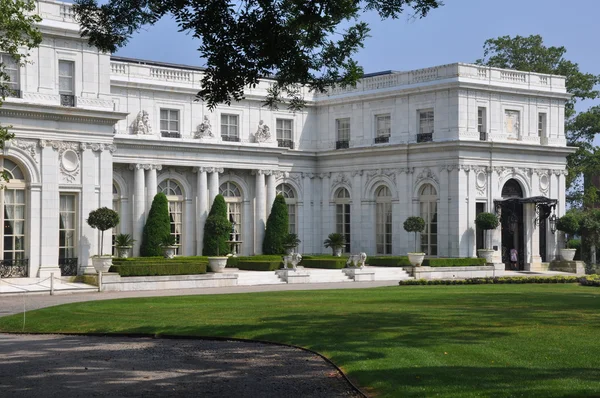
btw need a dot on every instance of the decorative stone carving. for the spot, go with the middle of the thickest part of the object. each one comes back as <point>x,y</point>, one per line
<point>263,133</point>
<point>355,173</point>
<point>512,122</point>
<point>481,182</point>
<point>204,129</point>
<point>27,145</point>
<point>544,183</point>
<point>342,178</point>
<point>141,124</point>
<point>426,174</point>
<point>96,147</point>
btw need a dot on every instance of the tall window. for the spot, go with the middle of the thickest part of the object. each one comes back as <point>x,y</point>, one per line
<point>541,125</point>
<point>290,200</point>
<point>67,229</point>
<point>285,134</point>
<point>229,127</point>
<point>428,208</point>
<point>169,123</point>
<point>174,194</point>
<point>383,127</point>
<point>233,197</point>
<point>342,215</point>
<point>11,69</point>
<point>342,127</point>
<point>383,217</point>
<point>425,126</point>
<point>66,82</point>
<point>12,197</point>
<point>481,123</point>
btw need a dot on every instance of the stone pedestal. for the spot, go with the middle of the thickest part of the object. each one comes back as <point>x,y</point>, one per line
<point>576,267</point>
<point>299,275</point>
<point>359,275</point>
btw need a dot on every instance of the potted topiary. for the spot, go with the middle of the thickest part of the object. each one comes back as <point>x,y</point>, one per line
<point>486,221</point>
<point>102,219</point>
<point>123,243</point>
<point>169,246</point>
<point>216,233</point>
<point>336,241</point>
<point>569,224</point>
<point>416,225</point>
<point>290,242</point>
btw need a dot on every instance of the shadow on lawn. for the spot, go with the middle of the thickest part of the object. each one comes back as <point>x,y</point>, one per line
<point>77,366</point>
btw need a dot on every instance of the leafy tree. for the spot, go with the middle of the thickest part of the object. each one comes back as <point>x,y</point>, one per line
<point>157,228</point>
<point>531,55</point>
<point>416,225</point>
<point>103,219</point>
<point>277,227</point>
<point>486,221</point>
<point>216,229</point>
<point>294,42</point>
<point>18,35</point>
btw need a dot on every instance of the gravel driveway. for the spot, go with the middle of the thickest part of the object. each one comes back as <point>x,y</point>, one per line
<point>88,366</point>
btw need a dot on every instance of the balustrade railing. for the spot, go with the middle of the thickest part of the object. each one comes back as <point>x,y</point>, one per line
<point>285,143</point>
<point>14,268</point>
<point>67,100</point>
<point>68,266</point>
<point>382,139</point>
<point>342,144</point>
<point>424,137</point>
<point>230,138</point>
<point>170,134</point>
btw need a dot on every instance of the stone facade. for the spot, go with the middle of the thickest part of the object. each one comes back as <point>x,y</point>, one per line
<point>94,130</point>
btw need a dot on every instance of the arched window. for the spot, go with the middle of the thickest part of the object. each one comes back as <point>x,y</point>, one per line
<point>342,215</point>
<point>512,189</point>
<point>383,220</point>
<point>290,200</point>
<point>233,197</point>
<point>428,210</point>
<point>12,200</point>
<point>174,194</point>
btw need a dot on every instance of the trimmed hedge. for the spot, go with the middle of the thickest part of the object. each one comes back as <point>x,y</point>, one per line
<point>154,269</point>
<point>233,262</point>
<point>217,229</point>
<point>590,280</point>
<point>402,261</point>
<point>258,265</point>
<point>326,262</point>
<point>493,280</point>
<point>157,228</point>
<point>277,227</point>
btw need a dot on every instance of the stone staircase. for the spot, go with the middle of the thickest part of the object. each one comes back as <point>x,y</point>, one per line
<point>327,276</point>
<point>389,273</point>
<point>252,278</point>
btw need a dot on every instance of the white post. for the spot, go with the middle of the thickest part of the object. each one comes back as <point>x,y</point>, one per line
<point>151,184</point>
<point>259,211</point>
<point>213,185</point>
<point>138,207</point>
<point>203,205</point>
<point>52,283</point>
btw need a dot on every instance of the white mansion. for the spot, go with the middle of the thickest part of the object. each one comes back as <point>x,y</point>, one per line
<point>444,143</point>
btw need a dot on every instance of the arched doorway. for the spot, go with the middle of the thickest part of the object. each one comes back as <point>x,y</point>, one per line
<point>512,223</point>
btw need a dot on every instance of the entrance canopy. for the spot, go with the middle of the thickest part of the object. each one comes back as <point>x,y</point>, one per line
<point>544,206</point>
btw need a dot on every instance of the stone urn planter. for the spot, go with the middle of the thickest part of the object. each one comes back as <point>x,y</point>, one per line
<point>289,250</point>
<point>102,263</point>
<point>416,259</point>
<point>337,251</point>
<point>169,251</point>
<point>567,254</point>
<point>488,254</point>
<point>123,251</point>
<point>217,264</point>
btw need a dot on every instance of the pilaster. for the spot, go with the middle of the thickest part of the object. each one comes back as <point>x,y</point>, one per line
<point>259,210</point>
<point>139,201</point>
<point>202,207</point>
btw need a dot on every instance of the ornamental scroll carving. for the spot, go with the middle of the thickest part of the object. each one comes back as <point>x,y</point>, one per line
<point>26,145</point>
<point>69,160</point>
<point>426,173</point>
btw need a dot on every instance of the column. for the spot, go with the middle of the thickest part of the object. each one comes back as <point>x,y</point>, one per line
<point>495,192</point>
<point>151,183</point>
<point>270,191</point>
<point>213,184</point>
<point>89,244</point>
<point>443,224</point>
<point>327,226</point>
<point>305,216</point>
<point>532,238</point>
<point>203,206</point>
<point>362,223</point>
<point>139,201</point>
<point>49,212</point>
<point>260,212</point>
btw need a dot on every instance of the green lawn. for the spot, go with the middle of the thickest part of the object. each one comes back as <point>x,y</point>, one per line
<point>480,340</point>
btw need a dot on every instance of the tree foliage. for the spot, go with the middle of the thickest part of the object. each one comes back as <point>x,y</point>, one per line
<point>486,221</point>
<point>103,219</point>
<point>216,229</point>
<point>18,35</point>
<point>277,227</point>
<point>531,55</point>
<point>157,228</point>
<point>296,43</point>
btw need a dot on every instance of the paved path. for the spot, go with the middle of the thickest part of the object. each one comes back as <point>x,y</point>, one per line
<point>15,303</point>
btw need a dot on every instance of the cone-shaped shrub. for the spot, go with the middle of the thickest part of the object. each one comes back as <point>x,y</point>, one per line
<point>277,227</point>
<point>216,229</point>
<point>157,228</point>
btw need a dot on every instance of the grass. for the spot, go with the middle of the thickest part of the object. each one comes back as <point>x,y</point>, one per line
<point>462,341</point>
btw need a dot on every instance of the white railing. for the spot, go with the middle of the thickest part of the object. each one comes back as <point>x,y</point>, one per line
<point>66,12</point>
<point>170,74</point>
<point>118,68</point>
<point>516,77</point>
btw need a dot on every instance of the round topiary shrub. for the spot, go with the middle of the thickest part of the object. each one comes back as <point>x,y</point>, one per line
<point>157,228</point>
<point>486,221</point>
<point>277,227</point>
<point>103,219</point>
<point>569,224</point>
<point>216,229</point>
<point>414,224</point>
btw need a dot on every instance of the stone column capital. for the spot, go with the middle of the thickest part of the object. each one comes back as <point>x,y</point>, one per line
<point>137,166</point>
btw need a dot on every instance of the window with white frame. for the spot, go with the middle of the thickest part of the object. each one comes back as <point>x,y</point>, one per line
<point>11,81</point>
<point>285,133</point>
<point>230,127</point>
<point>383,128</point>
<point>342,135</point>
<point>169,123</point>
<point>175,197</point>
<point>383,220</point>
<point>233,197</point>
<point>426,120</point>
<point>428,211</point>
<point>67,229</point>
<point>482,123</point>
<point>12,200</point>
<point>290,197</point>
<point>66,82</point>
<point>342,215</point>
<point>541,124</point>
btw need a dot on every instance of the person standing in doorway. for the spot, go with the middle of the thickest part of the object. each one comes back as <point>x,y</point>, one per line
<point>514,257</point>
